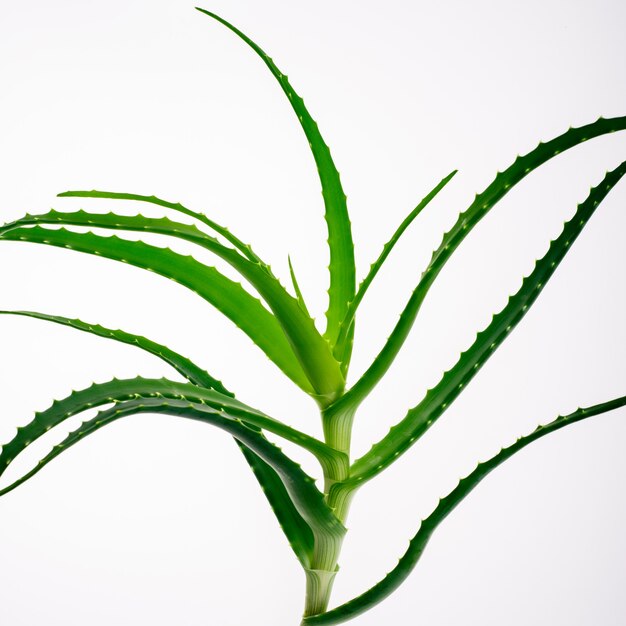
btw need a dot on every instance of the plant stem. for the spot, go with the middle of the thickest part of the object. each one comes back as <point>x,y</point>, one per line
<point>319,584</point>
<point>320,577</point>
<point>338,428</point>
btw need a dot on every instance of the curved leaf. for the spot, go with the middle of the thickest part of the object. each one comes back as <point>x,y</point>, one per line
<point>181,364</point>
<point>417,544</point>
<point>467,220</point>
<point>310,348</point>
<point>296,530</point>
<point>437,399</point>
<point>244,248</point>
<point>145,388</point>
<point>224,294</point>
<point>341,267</point>
<point>307,499</point>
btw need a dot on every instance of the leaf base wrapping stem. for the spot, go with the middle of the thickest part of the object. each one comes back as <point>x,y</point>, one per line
<point>327,547</point>
<point>337,424</point>
<point>319,584</point>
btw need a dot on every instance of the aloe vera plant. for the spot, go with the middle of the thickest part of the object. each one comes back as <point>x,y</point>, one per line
<point>278,321</point>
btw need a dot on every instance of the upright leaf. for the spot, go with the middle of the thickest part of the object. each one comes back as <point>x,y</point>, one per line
<point>437,399</point>
<point>342,272</point>
<point>503,182</point>
<point>296,287</point>
<point>386,251</point>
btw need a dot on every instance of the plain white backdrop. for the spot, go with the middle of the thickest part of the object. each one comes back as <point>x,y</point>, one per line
<point>159,521</point>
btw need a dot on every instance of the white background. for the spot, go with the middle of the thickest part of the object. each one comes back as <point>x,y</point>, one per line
<point>158,521</point>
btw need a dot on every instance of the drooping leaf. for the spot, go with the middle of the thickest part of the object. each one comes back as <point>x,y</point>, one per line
<point>310,348</point>
<point>224,294</point>
<point>145,388</point>
<point>341,268</point>
<point>296,530</point>
<point>377,265</point>
<point>181,364</point>
<point>467,220</point>
<point>437,399</point>
<point>301,488</point>
<point>407,562</point>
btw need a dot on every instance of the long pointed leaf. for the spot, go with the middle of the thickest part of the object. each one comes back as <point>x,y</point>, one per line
<point>296,530</point>
<point>311,349</point>
<point>342,271</point>
<point>145,388</point>
<point>226,295</point>
<point>422,416</point>
<point>417,544</point>
<point>244,248</point>
<point>296,287</point>
<point>503,182</point>
<point>386,251</point>
<point>181,364</point>
<point>301,488</point>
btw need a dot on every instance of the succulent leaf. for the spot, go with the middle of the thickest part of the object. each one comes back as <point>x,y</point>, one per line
<point>146,388</point>
<point>181,364</point>
<point>417,544</point>
<point>341,247</point>
<point>244,248</point>
<point>224,294</point>
<point>296,530</point>
<point>467,220</point>
<point>437,399</point>
<point>386,251</point>
<point>309,347</point>
<point>296,287</point>
<point>306,498</point>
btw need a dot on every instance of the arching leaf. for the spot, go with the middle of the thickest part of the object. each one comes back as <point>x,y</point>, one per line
<point>407,562</point>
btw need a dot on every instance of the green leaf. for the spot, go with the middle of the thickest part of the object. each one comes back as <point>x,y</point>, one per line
<point>467,220</point>
<point>310,348</point>
<point>293,516</point>
<point>181,364</point>
<point>296,287</point>
<point>296,530</point>
<point>227,296</point>
<point>437,399</point>
<point>342,269</point>
<point>244,248</point>
<point>417,544</point>
<point>145,388</point>
<point>306,498</point>
<point>387,248</point>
